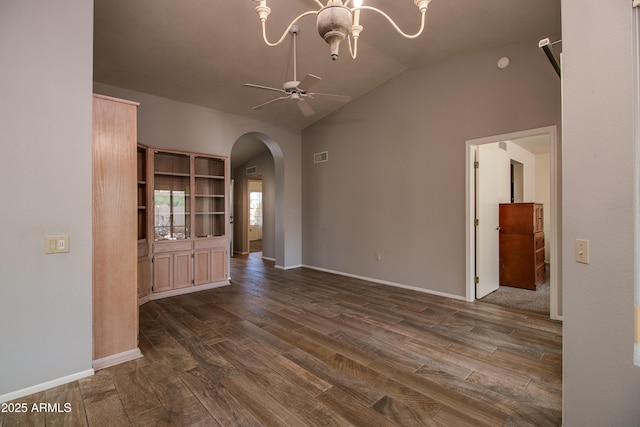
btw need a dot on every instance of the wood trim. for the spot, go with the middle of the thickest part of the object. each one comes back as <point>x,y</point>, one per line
<point>117,358</point>
<point>195,153</point>
<point>111,98</point>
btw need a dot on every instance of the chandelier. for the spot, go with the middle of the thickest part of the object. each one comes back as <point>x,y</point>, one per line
<point>339,20</point>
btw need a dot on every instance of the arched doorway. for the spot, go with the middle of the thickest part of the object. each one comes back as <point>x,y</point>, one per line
<point>254,156</point>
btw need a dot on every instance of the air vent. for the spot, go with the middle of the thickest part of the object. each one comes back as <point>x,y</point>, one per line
<point>502,145</point>
<point>321,157</point>
<point>252,170</point>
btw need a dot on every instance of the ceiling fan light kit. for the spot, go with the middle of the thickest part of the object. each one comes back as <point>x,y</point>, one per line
<point>337,21</point>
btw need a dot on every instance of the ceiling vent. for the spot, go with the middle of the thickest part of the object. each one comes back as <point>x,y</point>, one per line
<point>252,170</point>
<point>321,157</point>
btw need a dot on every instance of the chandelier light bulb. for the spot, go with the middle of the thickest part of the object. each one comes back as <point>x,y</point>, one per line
<point>336,21</point>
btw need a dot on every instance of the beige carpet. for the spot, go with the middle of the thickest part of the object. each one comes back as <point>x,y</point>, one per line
<point>524,299</point>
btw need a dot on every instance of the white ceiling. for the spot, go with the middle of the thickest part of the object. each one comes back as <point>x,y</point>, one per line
<point>538,144</point>
<point>202,51</point>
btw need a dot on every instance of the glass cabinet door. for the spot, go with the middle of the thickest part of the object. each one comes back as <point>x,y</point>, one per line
<point>171,198</point>
<point>209,198</point>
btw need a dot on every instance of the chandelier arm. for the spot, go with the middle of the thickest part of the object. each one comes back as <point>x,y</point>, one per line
<point>388,18</point>
<point>286,31</point>
<point>319,3</point>
<point>353,50</point>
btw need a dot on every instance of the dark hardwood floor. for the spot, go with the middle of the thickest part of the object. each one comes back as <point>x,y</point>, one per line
<point>307,348</point>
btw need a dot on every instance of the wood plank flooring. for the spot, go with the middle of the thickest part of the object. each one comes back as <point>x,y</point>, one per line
<point>307,348</point>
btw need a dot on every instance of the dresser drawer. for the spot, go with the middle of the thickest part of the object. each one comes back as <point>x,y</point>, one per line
<point>539,241</point>
<point>540,275</point>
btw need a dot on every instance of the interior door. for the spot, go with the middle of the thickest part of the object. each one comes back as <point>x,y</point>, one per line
<point>489,173</point>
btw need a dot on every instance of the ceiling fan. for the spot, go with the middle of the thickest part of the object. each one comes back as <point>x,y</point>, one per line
<point>298,91</point>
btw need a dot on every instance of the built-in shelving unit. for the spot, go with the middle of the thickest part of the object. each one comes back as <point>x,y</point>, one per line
<point>209,197</point>
<point>171,196</point>
<point>187,222</point>
<point>144,262</point>
<point>142,192</point>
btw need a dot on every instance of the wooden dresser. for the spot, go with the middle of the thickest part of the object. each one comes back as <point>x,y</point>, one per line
<point>521,245</point>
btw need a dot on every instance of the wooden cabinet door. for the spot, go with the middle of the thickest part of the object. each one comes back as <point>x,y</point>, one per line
<point>162,272</point>
<point>182,270</point>
<point>202,267</point>
<point>219,263</point>
<point>143,277</point>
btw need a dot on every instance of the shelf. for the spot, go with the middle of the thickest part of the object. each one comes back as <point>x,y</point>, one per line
<point>186,175</point>
<point>209,176</point>
<point>195,184</point>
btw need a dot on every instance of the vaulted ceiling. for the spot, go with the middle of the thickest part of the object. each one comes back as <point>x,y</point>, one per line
<point>202,51</point>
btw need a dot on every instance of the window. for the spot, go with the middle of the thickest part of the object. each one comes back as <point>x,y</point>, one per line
<point>255,210</point>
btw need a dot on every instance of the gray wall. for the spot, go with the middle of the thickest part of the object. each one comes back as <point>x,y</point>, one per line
<point>45,168</point>
<point>601,385</point>
<point>395,179</point>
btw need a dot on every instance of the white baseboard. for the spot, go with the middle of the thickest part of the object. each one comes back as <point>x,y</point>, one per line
<point>291,267</point>
<point>116,359</point>
<point>45,386</point>
<point>385,282</point>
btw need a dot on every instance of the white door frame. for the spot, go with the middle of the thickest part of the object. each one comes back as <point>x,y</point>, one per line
<point>555,216</point>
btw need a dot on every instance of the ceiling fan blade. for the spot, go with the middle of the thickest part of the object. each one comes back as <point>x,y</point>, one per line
<point>305,108</point>
<point>274,89</point>
<point>330,97</point>
<point>257,107</point>
<point>308,81</point>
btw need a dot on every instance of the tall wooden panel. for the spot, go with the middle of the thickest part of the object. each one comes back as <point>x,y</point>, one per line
<point>115,299</point>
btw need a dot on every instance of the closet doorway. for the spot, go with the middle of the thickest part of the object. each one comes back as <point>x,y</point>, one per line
<point>477,257</point>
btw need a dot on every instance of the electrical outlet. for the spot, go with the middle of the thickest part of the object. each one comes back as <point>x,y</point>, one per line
<point>378,256</point>
<point>582,251</point>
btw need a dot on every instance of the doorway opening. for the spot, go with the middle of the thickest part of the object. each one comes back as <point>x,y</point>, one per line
<point>255,215</point>
<point>507,178</point>
<point>517,181</point>
<point>257,157</point>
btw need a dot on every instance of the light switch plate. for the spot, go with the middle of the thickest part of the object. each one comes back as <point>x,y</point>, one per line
<point>582,251</point>
<point>56,244</point>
